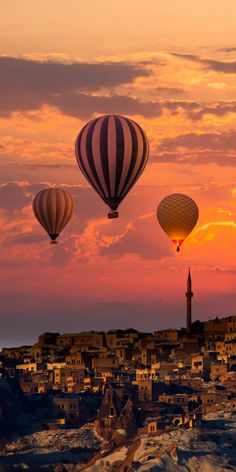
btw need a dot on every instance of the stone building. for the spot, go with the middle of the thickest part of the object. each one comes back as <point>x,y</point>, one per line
<point>108,414</point>
<point>201,365</point>
<point>72,408</point>
<point>218,369</point>
<point>116,419</point>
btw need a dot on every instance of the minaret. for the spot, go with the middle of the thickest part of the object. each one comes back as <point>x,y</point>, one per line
<point>189,295</point>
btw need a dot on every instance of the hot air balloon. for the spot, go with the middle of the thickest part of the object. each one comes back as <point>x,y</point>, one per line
<point>177,215</point>
<point>53,208</point>
<point>112,152</point>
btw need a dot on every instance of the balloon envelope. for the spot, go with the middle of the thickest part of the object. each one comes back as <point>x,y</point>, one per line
<point>53,208</point>
<point>112,152</point>
<point>177,215</point>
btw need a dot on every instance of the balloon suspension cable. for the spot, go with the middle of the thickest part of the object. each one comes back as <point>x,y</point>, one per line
<point>113,214</point>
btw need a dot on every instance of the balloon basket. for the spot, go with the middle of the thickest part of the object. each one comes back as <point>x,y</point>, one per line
<point>113,214</point>
<point>53,242</point>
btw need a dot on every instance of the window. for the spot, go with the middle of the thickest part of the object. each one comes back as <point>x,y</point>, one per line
<point>112,412</point>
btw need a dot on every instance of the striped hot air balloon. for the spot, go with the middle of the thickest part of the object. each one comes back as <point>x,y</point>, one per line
<point>112,152</point>
<point>177,215</point>
<point>53,208</point>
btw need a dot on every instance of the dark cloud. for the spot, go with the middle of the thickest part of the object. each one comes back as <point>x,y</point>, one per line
<point>175,106</point>
<point>13,196</point>
<point>196,110</point>
<point>84,105</point>
<point>217,66</point>
<point>171,90</point>
<point>28,84</point>
<point>144,244</point>
<point>217,109</point>
<point>190,57</point>
<point>197,157</point>
<point>215,141</point>
<point>201,148</point>
<point>16,195</point>
<point>53,77</point>
<point>229,49</point>
<point>27,238</point>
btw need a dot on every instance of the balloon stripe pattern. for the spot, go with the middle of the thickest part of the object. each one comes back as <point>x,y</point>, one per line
<point>112,152</point>
<point>53,208</point>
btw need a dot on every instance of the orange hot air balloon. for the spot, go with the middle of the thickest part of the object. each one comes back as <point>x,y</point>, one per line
<point>112,152</point>
<point>177,215</point>
<point>53,208</point>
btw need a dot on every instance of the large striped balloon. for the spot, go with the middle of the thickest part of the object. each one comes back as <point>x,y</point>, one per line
<point>53,208</point>
<point>112,152</point>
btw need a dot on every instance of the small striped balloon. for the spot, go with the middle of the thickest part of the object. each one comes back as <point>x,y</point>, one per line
<point>112,152</point>
<point>53,208</point>
<point>177,214</point>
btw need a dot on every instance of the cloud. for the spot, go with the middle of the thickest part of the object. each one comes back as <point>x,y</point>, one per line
<point>28,84</point>
<point>17,195</point>
<point>138,239</point>
<point>227,49</point>
<point>80,89</point>
<point>216,141</point>
<point>90,233</point>
<point>212,224</point>
<point>54,77</point>
<point>171,90</point>
<point>211,64</point>
<point>196,148</point>
<point>196,110</point>
<point>217,109</point>
<point>28,238</point>
<point>84,105</point>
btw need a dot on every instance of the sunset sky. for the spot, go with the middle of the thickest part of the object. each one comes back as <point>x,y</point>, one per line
<point>170,66</point>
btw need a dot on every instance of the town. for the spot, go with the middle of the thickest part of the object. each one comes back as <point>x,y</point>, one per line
<point>124,382</point>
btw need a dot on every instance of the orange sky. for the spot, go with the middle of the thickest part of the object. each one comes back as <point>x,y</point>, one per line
<point>172,68</point>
